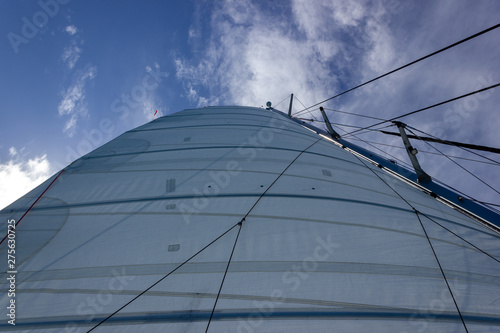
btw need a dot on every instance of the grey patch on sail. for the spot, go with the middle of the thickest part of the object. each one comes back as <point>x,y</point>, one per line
<point>173,247</point>
<point>170,185</point>
<point>326,172</point>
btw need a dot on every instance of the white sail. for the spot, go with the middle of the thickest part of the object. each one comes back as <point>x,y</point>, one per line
<point>233,219</point>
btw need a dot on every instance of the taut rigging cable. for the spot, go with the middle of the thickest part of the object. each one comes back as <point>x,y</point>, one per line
<point>467,150</point>
<point>428,107</point>
<point>450,143</point>
<point>460,166</point>
<point>404,66</point>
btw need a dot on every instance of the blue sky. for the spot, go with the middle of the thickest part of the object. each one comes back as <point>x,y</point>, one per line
<point>75,74</point>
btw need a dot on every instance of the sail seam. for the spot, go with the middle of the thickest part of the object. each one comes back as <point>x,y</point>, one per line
<point>163,278</point>
<point>281,174</point>
<point>428,240</point>
<point>240,223</point>
<point>442,271</point>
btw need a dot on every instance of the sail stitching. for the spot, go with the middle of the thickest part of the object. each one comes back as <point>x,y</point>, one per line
<point>428,239</point>
<point>240,223</point>
<point>164,277</point>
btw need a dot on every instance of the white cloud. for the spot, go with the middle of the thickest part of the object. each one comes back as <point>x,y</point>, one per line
<point>71,55</point>
<point>73,101</point>
<point>149,107</point>
<point>18,176</point>
<point>71,29</point>
<point>194,33</point>
<point>252,55</point>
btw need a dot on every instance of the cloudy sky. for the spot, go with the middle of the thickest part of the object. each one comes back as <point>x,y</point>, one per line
<point>75,74</point>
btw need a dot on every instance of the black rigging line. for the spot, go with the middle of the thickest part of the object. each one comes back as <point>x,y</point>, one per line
<point>281,101</point>
<point>354,114</point>
<point>458,236</point>
<point>467,150</point>
<point>424,151</point>
<point>423,214</point>
<point>406,164</point>
<point>450,143</point>
<point>224,277</point>
<point>433,177</point>
<point>345,125</point>
<point>426,235</point>
<point>441,269</point>
<point>484,203</point>
<point>383,151</point>
<point>431,138</point>
<point>298,100</point>
<point>407,65</point>
<point>165,276</point>
<point>316,119</point>
<point>243,220</point>
<point>429,107</point>
<point>470,173</point>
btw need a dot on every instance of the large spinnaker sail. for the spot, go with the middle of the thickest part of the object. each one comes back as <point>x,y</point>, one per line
<point>236,219</point>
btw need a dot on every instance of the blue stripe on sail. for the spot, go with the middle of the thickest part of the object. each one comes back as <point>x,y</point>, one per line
<point>191,316</point>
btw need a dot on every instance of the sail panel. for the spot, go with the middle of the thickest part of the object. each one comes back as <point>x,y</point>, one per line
<point>242,220</point>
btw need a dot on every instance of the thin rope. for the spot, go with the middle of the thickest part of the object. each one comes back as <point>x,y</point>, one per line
<point>466,170</point>
<point>426,235</point>
<point>224,277</point>
<point>442,271</point>
<point>434,178</point>
<point>164,277</point>
<point>486,203</point>
<point>458,236</point>
<point>281,101</point>
<point>467,150</point>
<point>337,124</point>
<point>426,152</point>
<point>407,65</point>
<point>281,174</point>
<point>240,223</point>
<point>383,151</point>
<point>298,100</point>
<point>431,106</point>
<point>354,114</point>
